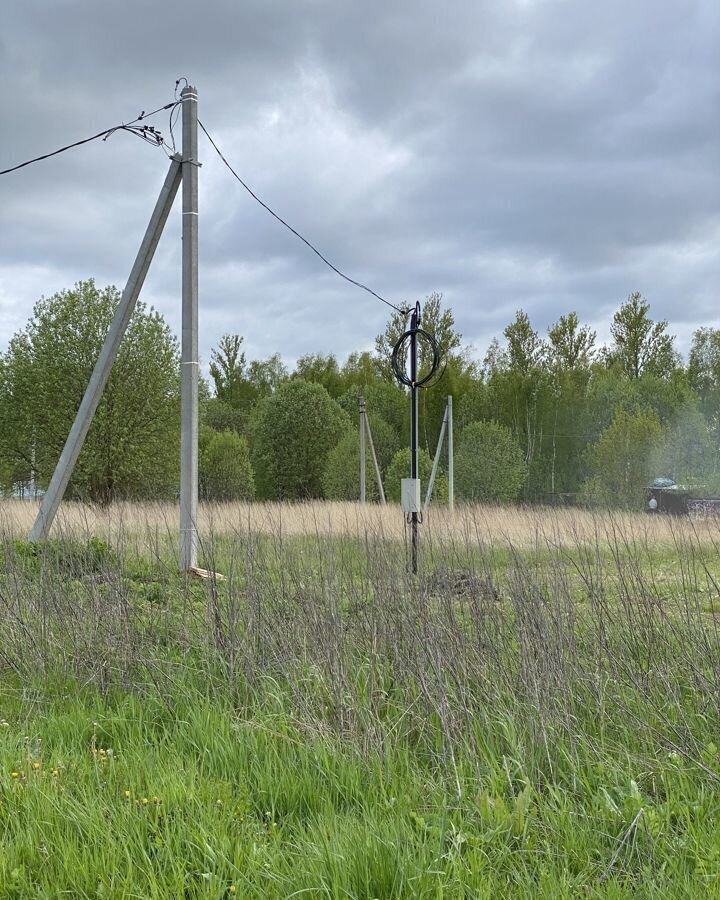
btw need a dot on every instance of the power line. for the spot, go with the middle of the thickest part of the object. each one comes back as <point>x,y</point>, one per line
<point>150,134</point>
<point>297,234</point>
<point>146,132</point>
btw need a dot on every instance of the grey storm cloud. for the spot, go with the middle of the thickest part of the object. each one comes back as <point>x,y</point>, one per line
<point>539,155</point>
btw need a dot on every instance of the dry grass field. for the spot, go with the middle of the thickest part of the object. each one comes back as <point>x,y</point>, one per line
<point>521,527</point>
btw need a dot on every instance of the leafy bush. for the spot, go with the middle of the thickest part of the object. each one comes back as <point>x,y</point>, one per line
<point>71,558</point>
<point>225,472</point>
<point>489,464</point>
<point>296,429</point>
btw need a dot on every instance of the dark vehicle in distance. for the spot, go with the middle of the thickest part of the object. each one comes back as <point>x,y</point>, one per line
<point>664,496</point>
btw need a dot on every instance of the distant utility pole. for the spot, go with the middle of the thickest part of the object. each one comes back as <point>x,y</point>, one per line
<point>407,346</point>
<point>451,457</point>
<point>447,426</point>
<point>361,404</point>
<point>182,168</point>
<point>189,348</point>
<point>366,432</point>
<point>414,439</point>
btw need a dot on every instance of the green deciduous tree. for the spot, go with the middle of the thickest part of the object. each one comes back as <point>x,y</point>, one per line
<point>227,369</point>
<point>687,452</point>
<point>225,472</point>
<point>704,373</point>
<point>296,428</point>
<point>266,375</point>
<point>489,464</point>
<point>525,348</point>
<point>570,346</point>
<point>320,369</point>
<point>640,346</point>
<point>620,464</point>
<point>132,448</point>
<point>435,319</point>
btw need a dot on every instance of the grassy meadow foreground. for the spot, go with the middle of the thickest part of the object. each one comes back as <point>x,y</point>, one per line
<point>536,715</point>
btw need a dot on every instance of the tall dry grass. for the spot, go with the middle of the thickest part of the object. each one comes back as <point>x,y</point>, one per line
<point>595,628</point>
<point>522,527</point>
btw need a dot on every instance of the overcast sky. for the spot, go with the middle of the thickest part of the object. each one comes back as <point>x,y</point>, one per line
<point>548,156</point>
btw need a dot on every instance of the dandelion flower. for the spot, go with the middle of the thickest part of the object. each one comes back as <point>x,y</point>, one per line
<point>127,795</point>
<point>145,801</point>
<point>36,766</point>
<point>13,774</point>
<point>233,889</point>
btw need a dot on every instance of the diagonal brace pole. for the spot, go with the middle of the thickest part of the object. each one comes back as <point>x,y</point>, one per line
<point>436,461</point>
<point>381,490</point>
<point>101,372</point>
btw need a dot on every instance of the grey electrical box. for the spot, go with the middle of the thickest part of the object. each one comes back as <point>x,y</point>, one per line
<point>410,495</point>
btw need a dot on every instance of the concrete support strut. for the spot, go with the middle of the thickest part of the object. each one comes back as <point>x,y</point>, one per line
<point>189,344</point>
<point>101,372</point>
<point>447,425</point>
<point>363,430</point>
<point>381,490</point>
<point>436,461</point>
<point>451,457</point>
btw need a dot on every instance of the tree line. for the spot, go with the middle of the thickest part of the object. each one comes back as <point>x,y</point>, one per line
<point>543,419</point>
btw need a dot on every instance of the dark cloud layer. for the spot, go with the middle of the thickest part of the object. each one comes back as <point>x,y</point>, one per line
<point>541,155</point>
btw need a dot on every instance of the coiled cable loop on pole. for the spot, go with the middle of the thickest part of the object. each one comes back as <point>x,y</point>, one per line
<point>400,349</point>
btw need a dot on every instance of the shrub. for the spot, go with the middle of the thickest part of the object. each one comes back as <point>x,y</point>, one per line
<point>489,464</point>
<point>225,472</point>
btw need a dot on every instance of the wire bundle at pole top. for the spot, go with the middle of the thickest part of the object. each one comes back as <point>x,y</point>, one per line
<point>400,349</point>
<point>148,133</point>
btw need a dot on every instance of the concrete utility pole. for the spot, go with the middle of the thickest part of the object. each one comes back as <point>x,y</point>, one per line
<point>189,354</point>
<point>436,462</point>
<point>101,372</point>
<point>447,424</point>
<point>451,458</point>
<point>381,490</point>
<point>361,403</point>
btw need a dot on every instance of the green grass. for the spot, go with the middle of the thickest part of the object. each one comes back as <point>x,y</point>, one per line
<point>322,725</point>
<point>124,797</point>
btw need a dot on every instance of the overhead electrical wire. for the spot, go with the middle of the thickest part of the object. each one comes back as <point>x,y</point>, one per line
<point>364,287</point>
<point>146,132</point>
<point>151,134</point>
